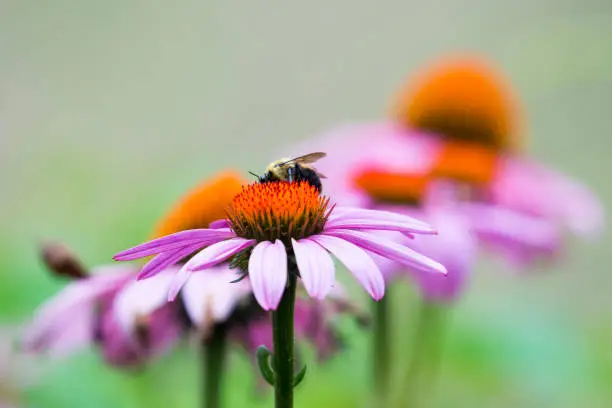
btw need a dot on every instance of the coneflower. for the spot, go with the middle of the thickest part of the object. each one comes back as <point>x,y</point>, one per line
<point>452,154</point>
<point>275,233</point>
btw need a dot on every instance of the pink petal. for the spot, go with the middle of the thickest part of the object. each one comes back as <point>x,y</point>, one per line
<point>377,220</point>
<point>527,186</point>
<point>268,273</point>
<point>165,259</point>
<point>389,249</point>
<point>206,258</point>
<point>455,247</point>
<point>65,322</point>
<point>316,267</point>
<point>178,281</point>
<point>174,241</point>
<point>210,296</point>
<point>141,298</point>
<point>217,253</point>
<point>357,261</point>
<point>512,226</point>
<point>522,238</point>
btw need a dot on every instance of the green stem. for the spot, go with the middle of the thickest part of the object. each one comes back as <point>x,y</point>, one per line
<point>282,328</point>
<point>421,371</point>
<point>381,348</point>
<point>214,357</point>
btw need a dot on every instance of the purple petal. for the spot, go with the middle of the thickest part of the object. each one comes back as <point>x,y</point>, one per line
<point>222,223</point>
<point>217,253</point>
<point>389,249</point>
<point>316,267</point>
<point>376,226</point>
<point>377,220</point>
<point>357,261</point>
<point>268,273</point>
<point>174,241</point>
<point>166,259</point>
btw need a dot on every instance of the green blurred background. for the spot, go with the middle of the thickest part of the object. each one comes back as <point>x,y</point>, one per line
<point>110,110</point>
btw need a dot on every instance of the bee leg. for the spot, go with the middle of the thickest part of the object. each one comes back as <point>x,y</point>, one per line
<point>291,174</point>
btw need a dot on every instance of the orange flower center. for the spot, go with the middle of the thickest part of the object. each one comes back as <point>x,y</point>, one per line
<point>461,99</point>
<point>201,206</point>
<point>388,187</point>
<point>466,162</point>
<point>278,210</point>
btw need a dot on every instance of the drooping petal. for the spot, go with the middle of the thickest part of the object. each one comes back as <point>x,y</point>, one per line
<point>268,273</point>
<point>178,281</point>
<point>316,267</point>
<point>389,249</point>
<point>141,298</point>
<point>376,219</point>
<point>357,261</point>
<point>166,259</point>
<point>527,186</point>
<point>455,247</point>
<point>210,296</point>
<point>522,237</point>
<point>217,253</point>
<point>173,241</point>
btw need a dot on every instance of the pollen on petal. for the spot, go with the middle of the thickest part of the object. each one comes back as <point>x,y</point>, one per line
<point>463,99</point>
<point>202,205</point>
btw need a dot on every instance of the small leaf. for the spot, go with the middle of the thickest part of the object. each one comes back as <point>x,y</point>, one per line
<point>263,361</point>
<point>299,377</point>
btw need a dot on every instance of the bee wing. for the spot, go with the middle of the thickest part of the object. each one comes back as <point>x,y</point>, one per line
<point>306,159</point>
<point>321,175</point>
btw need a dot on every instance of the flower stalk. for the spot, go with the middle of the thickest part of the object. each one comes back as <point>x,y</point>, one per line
<point>214,353</point>
<point>381,348</point>
<point>422,369</point>
<point>283,358</point>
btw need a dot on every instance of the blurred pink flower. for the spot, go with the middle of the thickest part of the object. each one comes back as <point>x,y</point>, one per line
<point>94,310</point>
<point>458,120</point>
<point>509,204</point>
<point>531,206</point>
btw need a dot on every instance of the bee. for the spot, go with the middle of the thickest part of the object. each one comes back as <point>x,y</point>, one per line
<point>297,169</point>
